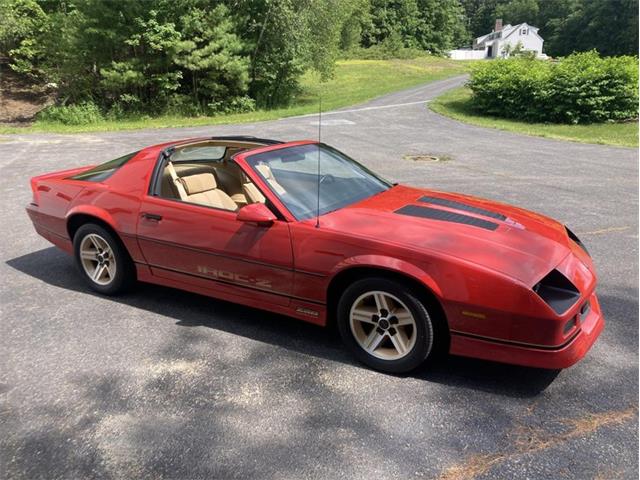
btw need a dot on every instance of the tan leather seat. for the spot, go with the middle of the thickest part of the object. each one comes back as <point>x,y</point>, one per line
<point>202,189</point>
<point>227,180</point>
<point>240,199</point>
<point>266,172</point>
<point>252,193</point>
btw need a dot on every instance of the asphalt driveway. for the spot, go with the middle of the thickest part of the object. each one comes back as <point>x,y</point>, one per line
<point>165,384</point>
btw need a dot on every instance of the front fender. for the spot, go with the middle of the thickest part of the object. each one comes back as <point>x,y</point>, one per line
<point>388,263</point>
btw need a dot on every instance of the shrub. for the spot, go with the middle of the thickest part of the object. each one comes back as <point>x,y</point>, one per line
<point>181,105</point>
<point>232,105</point>
<point>79,114</point>
<point>581,88</point>
<point>513,88</point>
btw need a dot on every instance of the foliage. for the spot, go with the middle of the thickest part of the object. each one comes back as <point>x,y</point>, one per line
<point>202,57</point>
<point>354,81</point>
<point>431,25</point>
<point>518,11</point>
<point>19,20</point>
<point>517,51</point>
<point>457,104</point>
<point>581,88</point>
<point>608,26</point>
<point>79,114</point>
<point>149,55</point>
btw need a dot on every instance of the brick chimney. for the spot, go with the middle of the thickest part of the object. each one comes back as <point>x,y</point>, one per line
<point>498,26</point>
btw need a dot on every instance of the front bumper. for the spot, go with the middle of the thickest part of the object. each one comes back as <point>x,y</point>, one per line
<point>552,358</point>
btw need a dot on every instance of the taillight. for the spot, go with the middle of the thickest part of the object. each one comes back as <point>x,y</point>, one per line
<point>34,191</point>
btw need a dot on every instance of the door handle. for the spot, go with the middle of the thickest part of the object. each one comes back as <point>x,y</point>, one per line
<point>151,216</point>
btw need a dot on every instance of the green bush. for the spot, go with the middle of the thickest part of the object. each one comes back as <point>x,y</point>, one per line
<point>233,105</point>
<point>581,88</point>
<point>79,114</point>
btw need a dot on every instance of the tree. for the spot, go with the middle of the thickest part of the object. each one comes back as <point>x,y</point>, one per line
<point>20,21</point>
<point>351,33</point>
<point>390,17</point>
<point>275,38</point>
<point>518,11</point>
<point>440,26</point>
<point>480,15</point>
<point>608,26</point>
<point>326,21</point>
<point>431,25</point>
<point>211,55</point>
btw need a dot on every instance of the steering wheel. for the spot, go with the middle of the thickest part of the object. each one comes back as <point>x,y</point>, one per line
<point>328,177</point>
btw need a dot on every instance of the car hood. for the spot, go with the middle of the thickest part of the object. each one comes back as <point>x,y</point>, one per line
<point>521,244</point>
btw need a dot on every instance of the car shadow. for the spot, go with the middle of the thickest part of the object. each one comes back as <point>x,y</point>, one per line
<point>192,311</point>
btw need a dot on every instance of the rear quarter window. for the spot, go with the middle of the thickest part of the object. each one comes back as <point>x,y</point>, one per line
<point>104,171</point>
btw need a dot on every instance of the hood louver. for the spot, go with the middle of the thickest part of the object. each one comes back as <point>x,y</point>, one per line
<point>445,216</point>
<point>444,202</point>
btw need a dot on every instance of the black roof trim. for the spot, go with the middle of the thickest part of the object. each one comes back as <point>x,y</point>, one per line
<point>248,138</point>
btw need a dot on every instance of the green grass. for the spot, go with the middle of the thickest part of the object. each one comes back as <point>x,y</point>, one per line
<point>457,104</point>
<point>355,81</point>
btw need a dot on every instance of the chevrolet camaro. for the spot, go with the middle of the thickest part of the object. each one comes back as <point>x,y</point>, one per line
<point>301,229</point>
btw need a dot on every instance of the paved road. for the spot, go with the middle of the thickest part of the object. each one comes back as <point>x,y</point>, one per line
<point>165,384</point>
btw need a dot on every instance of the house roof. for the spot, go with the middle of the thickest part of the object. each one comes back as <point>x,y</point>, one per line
<point>506,31</point>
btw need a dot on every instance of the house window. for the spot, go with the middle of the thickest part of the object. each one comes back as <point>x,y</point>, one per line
<point>524,31</point>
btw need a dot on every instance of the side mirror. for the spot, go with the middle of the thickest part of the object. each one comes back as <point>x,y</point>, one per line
<point>256,213</point>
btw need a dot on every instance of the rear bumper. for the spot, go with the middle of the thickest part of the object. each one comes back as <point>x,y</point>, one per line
<point>551,358</point>
<point>44,230</point>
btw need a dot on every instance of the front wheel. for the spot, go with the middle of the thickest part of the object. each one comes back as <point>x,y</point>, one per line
<point>102,260</point>
<point>384,325</point>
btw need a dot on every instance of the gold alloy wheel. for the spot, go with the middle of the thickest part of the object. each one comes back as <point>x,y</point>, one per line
<point>97,259</point>
<point>382,325</point>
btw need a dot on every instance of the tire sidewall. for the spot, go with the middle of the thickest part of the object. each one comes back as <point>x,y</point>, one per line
<point>123,264</point>
<point>424,327</point>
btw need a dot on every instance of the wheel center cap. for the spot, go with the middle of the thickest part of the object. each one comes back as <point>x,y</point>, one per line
<point>383,323</point>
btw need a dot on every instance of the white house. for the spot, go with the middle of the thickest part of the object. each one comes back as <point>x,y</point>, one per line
<point>502,41</point>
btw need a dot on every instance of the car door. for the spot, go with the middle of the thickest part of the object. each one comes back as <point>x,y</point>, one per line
<point>209,248</point>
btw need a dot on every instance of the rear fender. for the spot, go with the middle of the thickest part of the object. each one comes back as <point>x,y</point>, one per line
<point>129,241</point>
<point>93,211</point>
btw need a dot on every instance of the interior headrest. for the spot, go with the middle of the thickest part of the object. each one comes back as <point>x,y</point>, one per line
<point>264,170</point>
<point>201,182</point>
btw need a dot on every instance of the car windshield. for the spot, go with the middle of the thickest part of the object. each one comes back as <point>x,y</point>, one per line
<point>292,174</point>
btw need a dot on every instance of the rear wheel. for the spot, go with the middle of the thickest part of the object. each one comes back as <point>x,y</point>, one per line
<point>385,325</point>
<point>102,260</point>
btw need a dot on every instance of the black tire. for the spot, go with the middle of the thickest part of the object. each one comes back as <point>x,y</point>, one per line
<point>424,331</point>
<point>124,276</point>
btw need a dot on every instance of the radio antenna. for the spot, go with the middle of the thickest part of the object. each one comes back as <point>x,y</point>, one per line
<point>319,138</point>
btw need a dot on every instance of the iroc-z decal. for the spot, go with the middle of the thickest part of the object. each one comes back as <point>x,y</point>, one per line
<point>234,277</point>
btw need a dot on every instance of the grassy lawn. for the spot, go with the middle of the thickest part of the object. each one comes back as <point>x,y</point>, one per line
<point>355,81</point>
<point>457,104</point>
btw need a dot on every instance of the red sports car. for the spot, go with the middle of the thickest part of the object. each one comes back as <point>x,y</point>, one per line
<point>301,229</point>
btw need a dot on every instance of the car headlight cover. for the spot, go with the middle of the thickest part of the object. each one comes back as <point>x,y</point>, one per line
<point>557,291</point>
